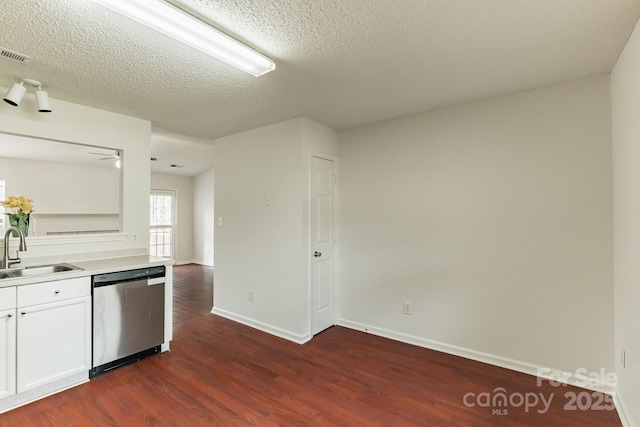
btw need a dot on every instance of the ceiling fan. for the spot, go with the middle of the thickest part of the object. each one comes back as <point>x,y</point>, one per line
<point>107,156</point>
<point>115,156</point>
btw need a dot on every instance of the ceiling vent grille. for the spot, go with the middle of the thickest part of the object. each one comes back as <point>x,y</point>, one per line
<point>9,54</point>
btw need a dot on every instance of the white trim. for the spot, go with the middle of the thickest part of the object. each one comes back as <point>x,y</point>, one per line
<point>186,261</point>
<point>491,359</point>
<point>623,411</point>
<point>192,261</point>
<point>273,330</point>
<point>202,262</point>
<point>19,399</point>
<point>76,239</point>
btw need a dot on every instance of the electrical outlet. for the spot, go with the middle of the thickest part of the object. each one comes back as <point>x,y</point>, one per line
<point>134,238</point>
<point>406,307</point>
<point>220,222</point>
<point>251,296</point>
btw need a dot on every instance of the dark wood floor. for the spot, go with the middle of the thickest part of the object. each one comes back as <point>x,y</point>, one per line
<point>192,292</point>
<point>220,373</point>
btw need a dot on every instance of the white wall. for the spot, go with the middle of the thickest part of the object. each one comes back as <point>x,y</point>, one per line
<point>625,109</point>
<point>84,125</point>
<point>68,189</point>
<point>261,248</point>
<point>183,187</point>
<point>203,189</point>
<point>494,219</point>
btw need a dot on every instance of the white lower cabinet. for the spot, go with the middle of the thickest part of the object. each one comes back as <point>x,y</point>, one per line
<point>7,352</point>
<point>53,331</point>
<point>7,341</point>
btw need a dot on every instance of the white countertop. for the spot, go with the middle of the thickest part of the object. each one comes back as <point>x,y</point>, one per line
<point>90,268</point>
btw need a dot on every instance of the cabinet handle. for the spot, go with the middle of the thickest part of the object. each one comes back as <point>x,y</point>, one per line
<point>10,315</point>
<point>23,312</point>
<point>56,292</point>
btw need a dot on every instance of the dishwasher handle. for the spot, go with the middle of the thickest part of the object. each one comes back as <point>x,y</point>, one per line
<point>129,276</point>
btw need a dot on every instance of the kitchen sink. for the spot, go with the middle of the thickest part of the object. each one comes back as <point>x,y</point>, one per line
<point>36,270</point>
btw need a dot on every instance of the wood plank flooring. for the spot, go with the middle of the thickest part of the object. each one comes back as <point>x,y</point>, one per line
<point>220,373</point>
<point>192,292</point>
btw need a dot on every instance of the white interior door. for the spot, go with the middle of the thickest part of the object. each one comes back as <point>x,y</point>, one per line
<point>323,243</point>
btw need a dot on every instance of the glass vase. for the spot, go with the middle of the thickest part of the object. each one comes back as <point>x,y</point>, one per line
<point>20,221</point>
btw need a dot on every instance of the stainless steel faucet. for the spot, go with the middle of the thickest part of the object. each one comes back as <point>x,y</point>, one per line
<point>7,261</point>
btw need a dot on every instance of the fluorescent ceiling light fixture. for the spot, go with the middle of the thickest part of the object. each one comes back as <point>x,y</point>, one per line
<point>177,24</point>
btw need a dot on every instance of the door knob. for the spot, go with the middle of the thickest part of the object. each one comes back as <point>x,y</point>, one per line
<point>317,254</point>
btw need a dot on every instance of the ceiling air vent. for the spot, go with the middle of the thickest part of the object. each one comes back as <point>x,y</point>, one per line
<point>9,54</point>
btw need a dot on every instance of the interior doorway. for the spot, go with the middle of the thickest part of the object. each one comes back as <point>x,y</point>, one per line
<point>323,245</point>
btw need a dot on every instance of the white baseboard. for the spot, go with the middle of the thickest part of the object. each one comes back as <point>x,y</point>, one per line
<point>193,261</point>
<point>273,330</point>
<point>623,411</point>
<point>20,399</point>
<point>202,262</point>
<point>491,359</point>
<point>184,262</point>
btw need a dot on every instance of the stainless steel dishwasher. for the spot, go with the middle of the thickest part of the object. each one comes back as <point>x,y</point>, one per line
<point>128,317</point>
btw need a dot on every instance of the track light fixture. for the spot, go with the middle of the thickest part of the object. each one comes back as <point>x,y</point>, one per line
<point>17,91</point>
<point>15,94</point>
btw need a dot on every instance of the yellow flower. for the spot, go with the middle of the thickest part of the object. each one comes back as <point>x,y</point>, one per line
<point>19,205</point>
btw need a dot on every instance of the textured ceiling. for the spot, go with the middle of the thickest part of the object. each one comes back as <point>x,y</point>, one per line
<point>179,154</point>
<point>340,62</point>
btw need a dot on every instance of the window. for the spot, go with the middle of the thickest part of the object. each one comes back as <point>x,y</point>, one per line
<point>162,223</point>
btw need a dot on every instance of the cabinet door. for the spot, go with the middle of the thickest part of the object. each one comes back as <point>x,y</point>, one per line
<point>54,341</point>
<point>7,352</point>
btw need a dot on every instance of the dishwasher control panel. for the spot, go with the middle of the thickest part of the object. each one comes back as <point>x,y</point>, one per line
<point>128,275</point>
